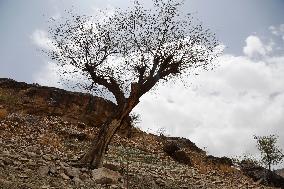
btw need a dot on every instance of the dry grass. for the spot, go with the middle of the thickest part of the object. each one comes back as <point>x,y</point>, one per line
<point>8,99</point>
<point>51,140</point>
<point>205,166</point>
<point>226,168</point>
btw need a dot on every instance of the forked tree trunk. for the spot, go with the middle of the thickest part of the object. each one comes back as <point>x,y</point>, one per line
<point>95,156</point>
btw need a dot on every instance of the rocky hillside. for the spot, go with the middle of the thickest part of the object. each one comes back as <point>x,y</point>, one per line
<point>44,131</point>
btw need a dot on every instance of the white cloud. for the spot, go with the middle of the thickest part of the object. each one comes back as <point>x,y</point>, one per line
<point>48,76</point>
<point>54,75</point>
<point>277,30</point>
<point>223,108</point>
<point>254,47</point>
<point>40,38</point>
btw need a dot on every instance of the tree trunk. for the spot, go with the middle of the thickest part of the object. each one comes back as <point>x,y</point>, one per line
<point>94,157</point>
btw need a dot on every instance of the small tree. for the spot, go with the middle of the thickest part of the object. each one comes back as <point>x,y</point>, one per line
<point>128,53</point>
<point>270,153</point>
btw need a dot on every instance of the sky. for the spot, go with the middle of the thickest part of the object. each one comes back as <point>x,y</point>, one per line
<point>220,110</point>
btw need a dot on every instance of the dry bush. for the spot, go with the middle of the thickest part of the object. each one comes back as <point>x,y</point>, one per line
<point>3,113</point>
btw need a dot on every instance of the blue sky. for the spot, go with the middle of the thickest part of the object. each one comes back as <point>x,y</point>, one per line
<point>220,110</point>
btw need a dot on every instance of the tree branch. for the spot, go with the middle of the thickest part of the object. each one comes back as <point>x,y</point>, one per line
<point>109,83</point>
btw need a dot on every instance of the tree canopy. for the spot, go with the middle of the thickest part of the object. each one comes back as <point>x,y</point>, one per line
<point>271,154</point>
<point>129,52</point>
<point>137,45</point>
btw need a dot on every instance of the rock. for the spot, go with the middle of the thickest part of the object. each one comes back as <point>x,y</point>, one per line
<point>64,176</point>
<point>72,172</point>
<point>2,163</point>
<point>173,150</point>
<point>26,186</point>
<point>182,157</point>
<point>105,176</point>
<point>45,186</point>
<point>170,148</point>
<point>17,163</point>
<point>77,180</point>
<point>8,161</point>
<point>63,164</point>
<point>161,182</point>
<point>217,181</point>
<point>52,170</point>
<point>82,125</point>
<point>6,153</point>
<point>31,154</point>
<point>5,183</point>
<point>111,166</point>
<point>23,159</point>
<point>31,163</point>
<point>84,169</point>
<point>43,171</point>
<point>84,176</point>
<point>79,136</point>
<point>23,176</point>
<point>46,157</point>
<point>114,187</point>
<point>184,186</point>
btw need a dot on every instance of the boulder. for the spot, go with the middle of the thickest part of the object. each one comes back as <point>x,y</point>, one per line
<point>182,157</point>
<point>105,176</point>
<point>170,148</point>
<point>64,176</point>
<point>173,150</point>
<point>72,172</point>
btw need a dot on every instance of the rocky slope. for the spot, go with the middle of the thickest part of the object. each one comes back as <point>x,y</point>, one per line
<point>44,131</point>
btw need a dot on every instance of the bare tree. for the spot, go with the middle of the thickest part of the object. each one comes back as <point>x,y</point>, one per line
<point>270,153</point>
<point>128,53</point>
